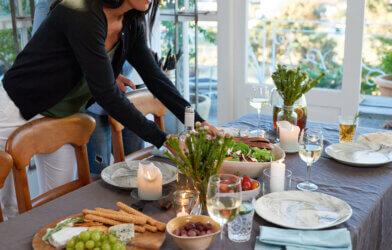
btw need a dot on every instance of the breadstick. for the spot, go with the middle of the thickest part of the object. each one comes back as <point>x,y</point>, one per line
<point>101,219</point>
<point>117,216</point>
<point>139,229</point>
<point>160,225</point>
<point>105,210</point>
<point>150,228</point>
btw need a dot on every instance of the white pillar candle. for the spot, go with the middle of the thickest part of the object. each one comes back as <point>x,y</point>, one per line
<point>278,174</point>
<point>288,135</point>
<point>149,182</point>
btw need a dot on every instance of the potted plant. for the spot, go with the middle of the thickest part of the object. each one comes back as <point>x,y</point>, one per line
<point>291,84</point>
<point>384,82</point>
<point>201,157</point>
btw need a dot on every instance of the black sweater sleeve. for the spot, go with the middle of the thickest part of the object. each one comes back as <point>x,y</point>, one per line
<point>139,56</point>
<point>86,32</point>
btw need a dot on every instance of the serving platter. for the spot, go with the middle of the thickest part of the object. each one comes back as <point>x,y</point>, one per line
<point>303,210</point>
<point>363,154</point>
<point>124,174</point>
<point>146,240</point>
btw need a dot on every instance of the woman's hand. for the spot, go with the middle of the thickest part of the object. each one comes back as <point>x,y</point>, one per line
<point>123,82</point>
<point>211,129</point>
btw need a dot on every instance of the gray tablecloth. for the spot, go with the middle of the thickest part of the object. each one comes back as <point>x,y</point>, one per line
<point>367,190</point>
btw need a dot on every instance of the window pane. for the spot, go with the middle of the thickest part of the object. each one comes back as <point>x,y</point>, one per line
<point>207,5</point>
<point>306,33</point>
<point>376,44</point>
<point>207,63</point>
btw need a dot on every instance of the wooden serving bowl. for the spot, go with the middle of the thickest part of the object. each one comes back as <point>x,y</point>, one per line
<point>192,243</point>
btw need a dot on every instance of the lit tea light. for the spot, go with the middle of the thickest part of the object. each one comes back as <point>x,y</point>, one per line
<point>182,212</point>
<point>149,179</point>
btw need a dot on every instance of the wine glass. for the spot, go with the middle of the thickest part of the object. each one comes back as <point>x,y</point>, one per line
<point>224,199</point>
<point>259,98</point>
<point>310,149</point>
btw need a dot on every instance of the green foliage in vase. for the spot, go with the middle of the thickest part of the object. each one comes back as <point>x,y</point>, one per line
<point>203,155</point>
<point>292,83</point>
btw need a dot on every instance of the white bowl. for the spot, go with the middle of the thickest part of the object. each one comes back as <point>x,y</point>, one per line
<point>251,169</point>
<point>248,195</point>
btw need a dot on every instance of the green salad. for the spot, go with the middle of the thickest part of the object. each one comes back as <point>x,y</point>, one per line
<point>245,153</point>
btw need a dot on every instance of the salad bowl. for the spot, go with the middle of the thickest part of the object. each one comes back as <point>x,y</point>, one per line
<point>251,169</point>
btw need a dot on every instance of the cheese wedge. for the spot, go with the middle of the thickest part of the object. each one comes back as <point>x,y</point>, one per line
<point>123,232</point>
<point>59,239</point>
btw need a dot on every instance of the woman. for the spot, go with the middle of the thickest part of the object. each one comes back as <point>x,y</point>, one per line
<point>83,39</point>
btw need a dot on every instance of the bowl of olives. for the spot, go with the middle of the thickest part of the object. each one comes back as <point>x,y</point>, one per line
<point>193,232</point>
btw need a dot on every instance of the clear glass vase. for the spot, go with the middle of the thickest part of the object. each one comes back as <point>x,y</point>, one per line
<point>288,114</point>
<point>201,208</point>
<point>300,107</point>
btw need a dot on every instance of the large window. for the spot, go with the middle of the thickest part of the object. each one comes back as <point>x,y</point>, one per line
<point>15,30</point>
<point>191,27</point>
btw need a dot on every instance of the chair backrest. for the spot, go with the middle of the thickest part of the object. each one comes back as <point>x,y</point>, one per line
<point>5,167</point>
<point>44,136</point>
<point>146,103</point>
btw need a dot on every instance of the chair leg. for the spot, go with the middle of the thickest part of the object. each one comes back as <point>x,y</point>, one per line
<point>83,167</point>
<point>22,189</point>
<point>118,146</point>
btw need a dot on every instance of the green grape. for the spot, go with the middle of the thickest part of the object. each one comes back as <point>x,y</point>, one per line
<point>79,245</point>
<point>112,239</point>
<point>95,236</point>
<point>97,248</point>
<point>76,238</point>
<point>69,248</point>
<point>85,235</point>
<point>98,243</point>
<point>106,246</point>
<point>117,246</point>
<point>90,244</point>
<point>104,237</point>
<point>71,243</point>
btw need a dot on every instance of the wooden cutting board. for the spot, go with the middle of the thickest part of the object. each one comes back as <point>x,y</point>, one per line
<point>146,240</point>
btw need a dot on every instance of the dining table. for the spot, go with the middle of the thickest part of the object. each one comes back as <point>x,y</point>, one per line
<point>368,190</point>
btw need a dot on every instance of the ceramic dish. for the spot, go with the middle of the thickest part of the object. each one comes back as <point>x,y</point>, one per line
<point>303,210</point>
<point>288,151</point>
<point>364,154</point>
<point>124,174</point>
<point>251,169</point>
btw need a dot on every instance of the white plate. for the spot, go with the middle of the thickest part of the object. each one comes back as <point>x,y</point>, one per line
<point>302,210</point>
<point>364,154</point>
<point>124,174</point>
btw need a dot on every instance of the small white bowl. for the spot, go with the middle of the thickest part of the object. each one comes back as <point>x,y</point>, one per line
<point>251,169</point>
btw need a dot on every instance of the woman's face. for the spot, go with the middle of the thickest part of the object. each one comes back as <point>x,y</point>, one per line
<point>140,5</point>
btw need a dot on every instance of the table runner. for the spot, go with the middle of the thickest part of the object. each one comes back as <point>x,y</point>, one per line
<point>367,190</point>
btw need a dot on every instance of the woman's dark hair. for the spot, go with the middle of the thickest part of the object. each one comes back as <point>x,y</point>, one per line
<point>133,15</point>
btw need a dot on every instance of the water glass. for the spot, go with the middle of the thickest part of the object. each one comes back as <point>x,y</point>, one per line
<point>347,127</point>
<point>240,229</point>
<point>266,186</point>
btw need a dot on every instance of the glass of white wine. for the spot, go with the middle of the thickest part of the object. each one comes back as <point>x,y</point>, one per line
<point>224,199</point>
<point>310,149</point>
<point>259,98</point>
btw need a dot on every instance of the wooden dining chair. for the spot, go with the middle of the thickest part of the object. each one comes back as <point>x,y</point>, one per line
<point>5,167</point>
<point>45,136</point>
<point>146,103</point>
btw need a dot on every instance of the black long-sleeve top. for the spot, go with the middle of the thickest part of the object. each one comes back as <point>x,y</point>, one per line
<point>70,44</point>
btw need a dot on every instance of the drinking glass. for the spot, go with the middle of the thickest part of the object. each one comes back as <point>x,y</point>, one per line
<point>223,200</point>
<point>310,149</point>
<point>240,229</point>
<point>259,98</point>
<point>347,128</point>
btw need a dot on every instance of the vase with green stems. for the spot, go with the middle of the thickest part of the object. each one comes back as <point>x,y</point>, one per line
<point>291,85</point>
<point>200,157</point>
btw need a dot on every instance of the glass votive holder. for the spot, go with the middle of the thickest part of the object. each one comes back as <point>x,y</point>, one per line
<point>275,183</point>
<point>184,201</point>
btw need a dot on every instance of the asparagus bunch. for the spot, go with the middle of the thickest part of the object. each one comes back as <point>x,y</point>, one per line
<point>203,155</point>
<point>292,83</point>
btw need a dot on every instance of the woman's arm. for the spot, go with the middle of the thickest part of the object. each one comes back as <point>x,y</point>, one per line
<point>85,32</point>
<point>140,58</point>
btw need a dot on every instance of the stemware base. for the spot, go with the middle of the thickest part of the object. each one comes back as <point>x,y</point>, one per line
<point>307,186</point>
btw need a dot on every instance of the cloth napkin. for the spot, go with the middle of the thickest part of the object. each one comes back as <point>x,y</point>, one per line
<point>276,238</point>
